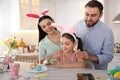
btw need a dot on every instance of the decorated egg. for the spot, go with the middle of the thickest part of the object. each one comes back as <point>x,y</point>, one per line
<point>38,68</point>
<point>112,72</point>
<point>117,68</point>
<point>117,74</point>
<point>51,60</point>
<point>35,65</point>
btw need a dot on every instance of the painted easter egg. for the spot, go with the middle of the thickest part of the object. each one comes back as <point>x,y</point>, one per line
<point>112,72</point>
<point>51,60</point>
<point>117,68</point>
<point>117,74</point>
<point>38,68</point>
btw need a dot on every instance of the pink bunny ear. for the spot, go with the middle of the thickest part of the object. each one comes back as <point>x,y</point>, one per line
<point>32,15</point>
<point>71,29</point>
<point>58,26</point>
<point>44,12</point>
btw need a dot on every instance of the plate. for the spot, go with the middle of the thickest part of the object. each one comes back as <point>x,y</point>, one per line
<point>44,68</point>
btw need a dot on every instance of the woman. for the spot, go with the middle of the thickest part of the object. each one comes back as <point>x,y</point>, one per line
<point>49,38</point>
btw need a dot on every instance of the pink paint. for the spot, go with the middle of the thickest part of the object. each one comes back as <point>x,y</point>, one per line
<point>61,28</point>
<point>14,70</point>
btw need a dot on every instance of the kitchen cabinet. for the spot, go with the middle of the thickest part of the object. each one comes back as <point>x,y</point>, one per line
<point>115,61</point>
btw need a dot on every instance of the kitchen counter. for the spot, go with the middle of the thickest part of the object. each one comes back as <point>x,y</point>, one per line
<point>54,73</point>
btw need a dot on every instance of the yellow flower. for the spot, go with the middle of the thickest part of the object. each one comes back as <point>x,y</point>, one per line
<point>11,43</point>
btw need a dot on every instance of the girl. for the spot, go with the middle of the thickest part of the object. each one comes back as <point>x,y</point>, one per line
<point>49,39</point>
<point>68,57</point>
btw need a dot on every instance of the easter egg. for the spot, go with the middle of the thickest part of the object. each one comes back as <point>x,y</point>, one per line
<point>51,60</point>
<point>38,68</point>
<point>112,72</point>
<point>35,65</point>
<point>117,68</point>
<point>117,74</point>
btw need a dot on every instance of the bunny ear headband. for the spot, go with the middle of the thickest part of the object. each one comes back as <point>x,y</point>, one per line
<point>44,12</point>
<point>71,30</point>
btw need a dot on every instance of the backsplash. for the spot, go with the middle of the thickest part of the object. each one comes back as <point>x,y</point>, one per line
<point>29,37</point>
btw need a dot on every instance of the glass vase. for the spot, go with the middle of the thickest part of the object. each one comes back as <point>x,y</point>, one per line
<point>10,52</point>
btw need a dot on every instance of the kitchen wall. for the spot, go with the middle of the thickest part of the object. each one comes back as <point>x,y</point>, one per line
<point>110,13</point>
<point>9,17</point>
<point>4,18</point>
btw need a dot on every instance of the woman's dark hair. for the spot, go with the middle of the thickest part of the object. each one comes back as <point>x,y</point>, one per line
<point>42,34</point>
<point>95,3</point>
<point>69,36</point>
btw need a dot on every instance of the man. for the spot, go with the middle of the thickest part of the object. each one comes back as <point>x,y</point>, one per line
<point>98,39</point>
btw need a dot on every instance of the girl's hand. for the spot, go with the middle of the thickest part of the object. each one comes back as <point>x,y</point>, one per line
<point>57,63</point>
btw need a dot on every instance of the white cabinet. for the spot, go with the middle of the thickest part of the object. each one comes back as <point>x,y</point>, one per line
<point>115,61</point>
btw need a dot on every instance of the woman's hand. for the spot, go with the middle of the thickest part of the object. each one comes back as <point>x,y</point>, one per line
<point>57,63</point>
<point>47,59</point>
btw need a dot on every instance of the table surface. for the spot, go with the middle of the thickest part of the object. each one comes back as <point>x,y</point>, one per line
<point>54,73</point>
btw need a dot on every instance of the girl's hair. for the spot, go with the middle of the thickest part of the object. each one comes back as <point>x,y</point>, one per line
<point>42,34</point>
<point>71,37</point>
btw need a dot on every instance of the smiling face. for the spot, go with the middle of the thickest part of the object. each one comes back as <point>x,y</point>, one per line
<point>92,15</point>
<point>46,25</point>
<point>67,45</point>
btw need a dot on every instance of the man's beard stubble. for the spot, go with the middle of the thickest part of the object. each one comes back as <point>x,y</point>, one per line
<point>92,24</point>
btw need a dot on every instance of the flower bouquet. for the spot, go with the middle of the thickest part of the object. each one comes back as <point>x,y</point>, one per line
<point>11,44</point>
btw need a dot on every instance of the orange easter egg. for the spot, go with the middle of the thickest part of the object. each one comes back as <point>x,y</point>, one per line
<point>35,65</point>
<point>117,74</point>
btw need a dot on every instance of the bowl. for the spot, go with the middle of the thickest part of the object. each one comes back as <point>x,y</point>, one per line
<point>112,78</point>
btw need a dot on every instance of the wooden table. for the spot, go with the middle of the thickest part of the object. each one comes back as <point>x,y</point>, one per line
<point>56,73</point>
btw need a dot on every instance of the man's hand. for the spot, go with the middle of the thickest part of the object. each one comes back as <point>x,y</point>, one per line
<point>83,54</point>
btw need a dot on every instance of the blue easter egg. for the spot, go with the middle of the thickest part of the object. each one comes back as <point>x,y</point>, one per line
<point>117,68</point>
<point>38,68</point>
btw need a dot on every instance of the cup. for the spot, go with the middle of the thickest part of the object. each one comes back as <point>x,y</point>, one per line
<point>7,60</point>
<point>14,70</point>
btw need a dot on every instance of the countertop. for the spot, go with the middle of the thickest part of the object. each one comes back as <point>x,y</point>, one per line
<point>54,73</point>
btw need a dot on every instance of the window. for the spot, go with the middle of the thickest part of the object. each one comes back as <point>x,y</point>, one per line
<point>64,16</point>
<point>28,6</point>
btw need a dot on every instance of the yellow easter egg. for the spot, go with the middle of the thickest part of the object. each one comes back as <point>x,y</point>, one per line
<point>117,74</point>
